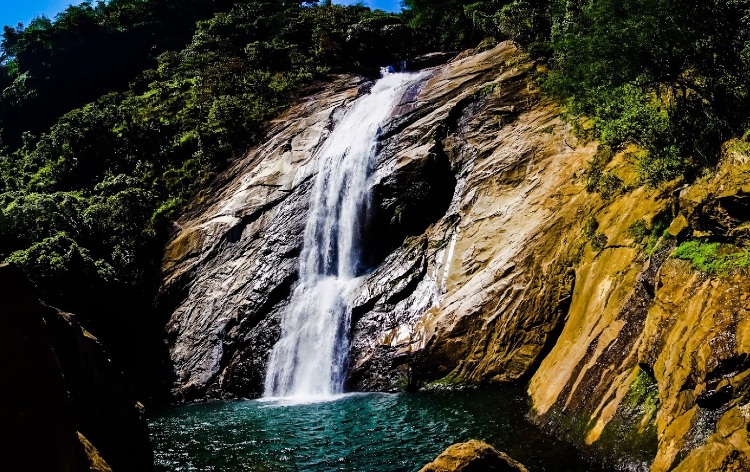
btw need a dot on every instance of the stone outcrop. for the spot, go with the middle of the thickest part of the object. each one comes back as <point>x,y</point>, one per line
<point>64,406</point>
<point>473,456</point>
<point>490,264</point>
<point>442,305</point>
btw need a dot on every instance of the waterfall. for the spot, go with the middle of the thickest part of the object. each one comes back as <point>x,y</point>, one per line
<point>309,359</point>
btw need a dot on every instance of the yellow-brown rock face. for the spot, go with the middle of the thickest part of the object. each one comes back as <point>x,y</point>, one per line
<point>653,347</point>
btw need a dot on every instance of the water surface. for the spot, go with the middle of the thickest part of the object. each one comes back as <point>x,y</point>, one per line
<point>358,432</point>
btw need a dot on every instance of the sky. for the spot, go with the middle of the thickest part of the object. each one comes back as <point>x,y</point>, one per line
<point>387,5</point>
<point>14,11</point>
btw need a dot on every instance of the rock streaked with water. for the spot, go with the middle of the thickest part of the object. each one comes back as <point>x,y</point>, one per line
<point>231,268</point>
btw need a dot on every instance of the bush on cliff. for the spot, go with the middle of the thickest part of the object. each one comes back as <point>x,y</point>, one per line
<point>669,76</point>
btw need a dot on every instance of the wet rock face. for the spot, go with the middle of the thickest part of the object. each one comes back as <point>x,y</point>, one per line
<point>651,367</point>
<point>470,170</point>
<point>447,304</point>
<point>64,404</point>
<point>231,268</point>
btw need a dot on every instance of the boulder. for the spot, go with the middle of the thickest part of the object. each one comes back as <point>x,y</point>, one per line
<point>473,456</point>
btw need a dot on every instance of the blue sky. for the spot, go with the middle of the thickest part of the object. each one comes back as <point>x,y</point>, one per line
<point>387,5</point>
<point>13,11</point>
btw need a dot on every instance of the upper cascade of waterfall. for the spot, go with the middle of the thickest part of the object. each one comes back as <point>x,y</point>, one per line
<point>310,358</point>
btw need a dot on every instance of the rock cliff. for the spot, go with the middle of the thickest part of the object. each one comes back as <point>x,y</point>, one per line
<point>490,263</point>
<point>64,405</point>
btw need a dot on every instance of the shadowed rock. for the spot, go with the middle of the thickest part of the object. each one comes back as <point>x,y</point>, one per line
<point>63,406</point>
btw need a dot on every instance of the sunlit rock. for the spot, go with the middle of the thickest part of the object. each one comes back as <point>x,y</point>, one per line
<point>473,456</point>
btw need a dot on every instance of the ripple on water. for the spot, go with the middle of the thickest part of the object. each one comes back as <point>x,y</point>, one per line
<point>354,432</point>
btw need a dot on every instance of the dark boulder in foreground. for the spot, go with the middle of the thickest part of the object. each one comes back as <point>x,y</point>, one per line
<point>473,456</point>
<point>63,405</point>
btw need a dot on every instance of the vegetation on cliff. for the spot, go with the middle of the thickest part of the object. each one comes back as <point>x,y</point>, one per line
<point>672,77</point>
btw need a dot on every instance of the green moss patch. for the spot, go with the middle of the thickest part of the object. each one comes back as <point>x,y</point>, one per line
<point>713,258</point>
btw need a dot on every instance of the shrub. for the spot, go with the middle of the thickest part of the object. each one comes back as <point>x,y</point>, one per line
<point>713,258</point>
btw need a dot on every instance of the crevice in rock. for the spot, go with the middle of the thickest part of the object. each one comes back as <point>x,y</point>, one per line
<point>561,319</point>
<point>408,290</point>
<point>361,310</point>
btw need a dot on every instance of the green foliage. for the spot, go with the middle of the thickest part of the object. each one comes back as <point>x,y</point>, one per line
<point>443,20</point>
<point>50,66</point>
<point>657,234</point>
<point>524,21</point>
<point>638,231</point>
<point>455,24</point>
<point>713,258</point>
<point>668,76</point>
<point>606,184</point>
<point>452,24</point>
<point>650,237</point>
<point>54,259</point>
<point>609,185</point>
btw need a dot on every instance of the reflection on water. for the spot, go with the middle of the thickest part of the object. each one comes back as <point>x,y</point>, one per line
<point>358,432</point>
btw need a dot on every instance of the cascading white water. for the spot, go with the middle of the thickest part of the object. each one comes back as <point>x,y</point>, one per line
<point>309,359</point>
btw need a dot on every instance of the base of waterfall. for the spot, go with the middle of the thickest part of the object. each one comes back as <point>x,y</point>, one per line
<point>306,399</point>
<point>352,432</point>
